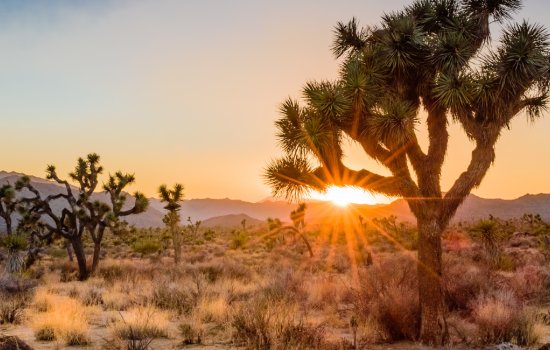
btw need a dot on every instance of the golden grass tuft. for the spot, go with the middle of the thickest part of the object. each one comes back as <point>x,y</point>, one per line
<point>141,322</point>
<point>64,319</point>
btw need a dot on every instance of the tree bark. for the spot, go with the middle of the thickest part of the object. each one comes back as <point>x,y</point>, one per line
<point>69,250</point>
<point>95,258</point>
<point>176,240</point>
<point>97,239</point>
<point>433,328</point>
<point>78,248</point>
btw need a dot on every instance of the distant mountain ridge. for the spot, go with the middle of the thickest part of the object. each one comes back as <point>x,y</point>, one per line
<point>230,212</point>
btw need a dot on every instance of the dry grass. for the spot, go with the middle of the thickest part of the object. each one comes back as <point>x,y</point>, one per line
<point>65,319</point>
<point>501,319</point>
<point>141,323</point>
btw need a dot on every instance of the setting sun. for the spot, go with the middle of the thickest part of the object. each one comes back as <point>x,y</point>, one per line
<point>343,196</point>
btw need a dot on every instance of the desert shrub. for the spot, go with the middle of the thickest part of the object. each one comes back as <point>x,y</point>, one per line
<point>172,296</point>
<point>209,235</point>
<point>12,307</point>
<point>531,282</point>
<point>388,295</point>
<point>115,300</point>
<point>111,272</point>
<point>93,296</point>
<point>13,284</point>
<point>190,334</point>
<point>491,235</point>
<point>66,320</point>
<point>13,343</point>
<point>501,319</point>
<point>238,239</point>
<point>213,309</point>
<point>286,285</point>
<point>268,324</point>
<point>464,282</point>
<point>141,323</point>
<point>146,246</point>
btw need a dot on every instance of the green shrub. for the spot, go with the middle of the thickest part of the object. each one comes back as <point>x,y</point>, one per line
<point>146,246</point>
<point>238,239</point>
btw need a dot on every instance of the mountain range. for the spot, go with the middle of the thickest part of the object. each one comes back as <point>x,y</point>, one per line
<point>231,212</point>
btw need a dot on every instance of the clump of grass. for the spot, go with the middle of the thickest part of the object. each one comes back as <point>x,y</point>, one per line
<point>93,296</point>
<point>172,297</point>
<point>268,324</point>
<point>66,319</point>
<point>12,307</point>
<point>389,297</point>
<point>146,246</point>
<point>501,319</point>
<point>115,300</point>
<point>212,310</point>
<point>141,323</point>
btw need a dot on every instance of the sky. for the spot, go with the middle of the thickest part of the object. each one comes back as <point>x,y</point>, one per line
<point>188,91</point>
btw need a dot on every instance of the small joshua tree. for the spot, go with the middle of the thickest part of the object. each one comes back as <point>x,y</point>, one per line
<point>8,205</point>
<point>172,217</point>
<point>298,224</point>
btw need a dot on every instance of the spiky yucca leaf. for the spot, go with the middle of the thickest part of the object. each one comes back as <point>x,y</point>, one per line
<point>432,15</point>
<point>327,99</point>
<point>348,38</point>
<point>453,52</point>
<point>401,45</point>
<point>289,177</point>
<point>499,9</point>
<point>454,92</point>
<point>393,122</point>
<point>522,56</point>
<point>289,127</point>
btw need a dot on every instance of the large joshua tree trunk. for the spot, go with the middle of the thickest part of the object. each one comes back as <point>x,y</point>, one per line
<point>80,255</point>
<point>433,328</point>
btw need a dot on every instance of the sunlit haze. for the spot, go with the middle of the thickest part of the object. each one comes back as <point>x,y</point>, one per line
<point>188,91</point>
<point>343,196</point>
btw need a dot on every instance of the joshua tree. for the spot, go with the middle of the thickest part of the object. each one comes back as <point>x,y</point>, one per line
<point>432,60</point>
<point>8,205</point>
<point>297,216</point>
<point>80,213</point>
<point>172,217</point>
<point>103,216</point>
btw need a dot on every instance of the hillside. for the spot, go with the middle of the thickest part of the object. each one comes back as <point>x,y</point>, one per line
<point>225,212</point>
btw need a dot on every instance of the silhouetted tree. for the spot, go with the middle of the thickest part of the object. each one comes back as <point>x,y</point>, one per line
<point>298,225</point>
<point>80,213</point>
<point>426,60</point>
<point>172,217</point>
<point>8,206</point>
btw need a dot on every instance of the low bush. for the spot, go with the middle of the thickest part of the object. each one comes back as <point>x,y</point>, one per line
<point>500,319</point>
<point>141,323</point>
<point>146,246</point>
<point>388,296</point>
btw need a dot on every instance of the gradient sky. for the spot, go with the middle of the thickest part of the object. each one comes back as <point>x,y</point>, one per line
<point>187,91</point>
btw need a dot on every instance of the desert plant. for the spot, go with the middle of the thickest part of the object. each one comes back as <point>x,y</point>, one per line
<point>489,233</point>
<point>82,213</point>
<point>146,246</point>
<point>172,217</point>
<point>8,205</point>
<point>141,323</point>
<point>12,307</point>
<point>428,59</point>
<point>501,319</point>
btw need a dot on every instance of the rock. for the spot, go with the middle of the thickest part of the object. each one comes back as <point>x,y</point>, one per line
<point>523,240</point>
<point>545,347</point>
<point>506,346</point>
<point>13,343</point>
